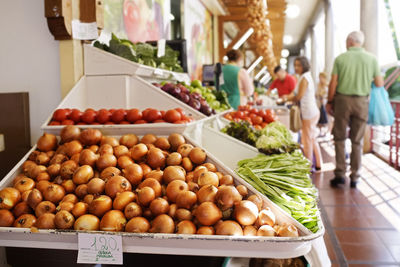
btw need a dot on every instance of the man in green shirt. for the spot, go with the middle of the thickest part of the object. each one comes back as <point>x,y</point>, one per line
<point>349,89</point>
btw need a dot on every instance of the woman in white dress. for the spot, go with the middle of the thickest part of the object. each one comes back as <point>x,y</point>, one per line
<point>305,95</point>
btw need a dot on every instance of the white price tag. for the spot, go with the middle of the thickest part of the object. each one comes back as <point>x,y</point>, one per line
<point>99,249</point>
<point>158,72</point>
<point>84,31</point>
<point>161,47</point>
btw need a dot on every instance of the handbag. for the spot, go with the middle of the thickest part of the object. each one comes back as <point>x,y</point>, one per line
<point>380,110</point>
<point>323,117</point>
<point>295,119</point>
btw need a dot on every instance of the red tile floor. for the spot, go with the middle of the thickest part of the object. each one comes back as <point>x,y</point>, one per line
<point>363,224</point>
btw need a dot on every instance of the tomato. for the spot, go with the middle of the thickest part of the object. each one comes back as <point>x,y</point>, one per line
<point>159,121</point>
<point>261,113</point>
<point>140,122</point>
<point>111,110</point>
<point>68,110</point>
<point>247,119</point>
<point>89,116</point>
<point>60,115</point>
<point>109,123</point>
<point>179,122</point>
<point>240,115</point>
<point>173,116</point>
<point>133,115</point>
<point>54,123</point>
<point>252,115</point>
<point>118,115</point>
<point>258,127</point>
<point>152,115</point>
<point>264,124</point>
<point>257,120</point>
<point>67,122</point>
<point>75,115</point>
<point>95,123</point>
<point>253,111</point>
<point>81,123</point>
<point>144,112</point>
<point>228,117</point>
<point>124,122</point>
<point>270,116</point>
<point>103,115</point>
<point>90,109</point>
<point>180,110</point>
<point>163,112</point>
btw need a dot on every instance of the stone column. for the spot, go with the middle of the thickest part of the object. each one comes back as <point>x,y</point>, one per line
<point>369,24</point>
<point>329,37</point>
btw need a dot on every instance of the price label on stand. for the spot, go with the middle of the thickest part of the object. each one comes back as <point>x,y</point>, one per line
<point>99,249</point>
<point>161,47</point>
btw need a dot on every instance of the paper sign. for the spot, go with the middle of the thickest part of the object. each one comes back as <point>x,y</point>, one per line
<point>161,47</point>
<point>99,249</point>
<point>84,31</point>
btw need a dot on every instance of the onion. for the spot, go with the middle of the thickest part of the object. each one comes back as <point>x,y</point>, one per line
<point>205,230</point>
<point>266,230</point>
<point>9,197</point>
<point>174,159</point>
<point>288,230</point>
<point>87,222</point>
<point>162,143</point>
<point>198,155</point>
<point>58,159</point>
<point>185,149</point>
<point>94,148</point>
<point>174,188</point>
<point>27,166</point>
<point>68,169</point>
<point>226,180</point>
<point>90,137</point>
<point>69,133</point>
<point>80,209</point>
<point>242,190</point>
<point>44,207</point>
<point>246,212</point>
<point>73,147</point>
<point>121,151</point>
<point>219,174</point>
<point>146,168</point>
<point>128,140</point>
<point>68,206</point>
<point>139,151</point>
<point>145,195</point>
<point>112,141</point>
<point>70,198</point>
<point>36,171</point>
<point>154,184</point>
<point>148,139</point>
<point>109,172</point>
<point>198,171</point>
<point>43,176</point>
<point>47,142</point>
<point>6,218</point>
<point>155,158</point>
<point>53,170</point>
<point>256,200</point>
<point>186,199</point>
<point>159,206</point>
<point>88,157</point>
<point>42,159</point>
<point>81,190</point>
<point>123,199</point>
<point>193,187</point>
<point>162,224</point>
<point>96,186</point>
<point>183,214</point>
<point>187,164</point>
<point>24,195</point>
<point>75,157</point>
<point>24,184</point>
<point>42,185</point>
<point>229,228</point>
<point>83,174</point>
<point>46,221</point>
<point>133,173</point>
<point>156,174</point>
<point>21,208</point>
<point>106,149</point>
<point>249,230</point>
<point>207,213</point>
<point>227,196</point>
<point>210,167</point>
<point>117,184</point>
<point>176,140</point>
<point>54,193</point>
<point>186,227</point>
<point>25,221</point>
<point>172,173</point>
<point>100,205</point>
<point>124,161</point>
<point>33,155</point>
<point>208,178</point>
<point>132,210</point>
<point>88,198</point>
<point>113,221</point>
<point>105,161</point>
<point>137,225</point>
<point>207,194</point>
<point>189,177</point>
<point>266,216</point>
<point>64,220</point>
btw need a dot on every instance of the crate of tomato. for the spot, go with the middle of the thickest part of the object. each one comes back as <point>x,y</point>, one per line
<point>259,118</point>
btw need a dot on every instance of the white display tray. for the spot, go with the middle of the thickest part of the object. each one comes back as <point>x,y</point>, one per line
<point>99,62</point>
<point>265,247</point>
<point>121,91</point>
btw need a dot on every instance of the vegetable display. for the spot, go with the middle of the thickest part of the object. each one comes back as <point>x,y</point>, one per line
<point>142,53</point>
<point>90,116</point>
<point>218,100</point>
<point>258,118</point>
<point>88,181</point>
<point>285,180</point>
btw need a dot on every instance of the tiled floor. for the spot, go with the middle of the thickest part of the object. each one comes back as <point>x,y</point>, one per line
<point>363,224</point>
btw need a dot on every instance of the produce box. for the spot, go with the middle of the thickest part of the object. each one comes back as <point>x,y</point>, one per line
<point>121,91</point>
<point>205,245</point>
<point>99,62</point>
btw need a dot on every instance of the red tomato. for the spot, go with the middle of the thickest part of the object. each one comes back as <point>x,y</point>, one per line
<point>180,110</point>
<point>152,115</point>
<point>81,123</point>
<point>144,112</point>
<point>109,123</point>
<point>253,111</point>
<point>261,113</point>
<point>67,122</point>
<point>173,116</point>
<point>103,115</point>
<point>111,110</point>
<point>159,121</point>
<point>68,111</point>
<point>248,119</point>
<point>240,115</point>
<point>179,122</point>
<point>118,115</point>
<point>60,115</point>
<point>133,115</point>
<point>252,115</point>
<point>95,123</point>
<point>140,122</point>
<point>257,120</point>
<point>75,115</point>
<point>90,109</point>
<point>124,122</point>
<point>264,124</point>
<point>89,116</point>
<point>163,112</point>
<point>54,123</point>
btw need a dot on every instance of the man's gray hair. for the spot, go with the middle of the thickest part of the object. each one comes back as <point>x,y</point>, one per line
<point>357,37</point>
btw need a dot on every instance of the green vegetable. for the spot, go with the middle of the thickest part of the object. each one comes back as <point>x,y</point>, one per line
<point>243,131</point>
<point>285,180</point>
<point>276,138</point>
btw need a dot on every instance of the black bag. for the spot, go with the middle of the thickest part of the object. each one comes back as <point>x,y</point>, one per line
<point>323,118</point>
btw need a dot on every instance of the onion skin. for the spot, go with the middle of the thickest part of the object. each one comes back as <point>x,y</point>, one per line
<point>123,199</point>
<point>207,194</point>
<point>133,173</point>
<point>187,164</point>
<point>96,186</point>
<point>117,184</point>
<point>226,180</point>
<point>113,221</point>
<point>185,149</point>
<point>186,199</point>
<point>22,208</point>
<point>159,206</point>
<point>162,143</point>
<point>109,172</point>
<point>174,188</point>
<point>154,184</point>
<point>288,230</point>
<point>266,217</point>
<point>120,151</point>
<point>246,212</point>
<point>88,157</point>
<point>132,210</point>
<point>186,227</point>
<point>90,137</point>
<point>174,159</point>
<point>6,218</point>
<point>249,231</point>
<point>145,195</point>
<point>69,133</point>
<point>44,207</point>
<point>105,161</point>
<point>198,155</point>
<point>53,170</point>
<point>183,214</point>
<point>207,213</point>
<point>87,222</point>
<point>83,174</point>
<point>47,142</point>
<point>208,178</point>
<point>137,225</point>
<point>100,205</point>
<point>242,190</point>
<point>205,230</point>
<point>229,228</point>
<point>106,149</point>
<point>172,173</point>
<point>54,193</point>
<point>155,158</point>
<point>81,190</point>
<point>70,198</point>
<point>162,224</point>
<point>139,151</point>
<point>34,198</point>
<point>128,140</point>
<point>67,206</point>
<point>46,221</point>
<point>68,169</point>
<point>64,220</point>
<point>266,230</point>
<point>25,221</point>
<point>73,147</point>
<point>176,140</point>
<point>124,161</point>
<point>79,209</point>
<point>256,200</point>
<point>227,197</point>
<point>108,140</point>
<point>9,197</point>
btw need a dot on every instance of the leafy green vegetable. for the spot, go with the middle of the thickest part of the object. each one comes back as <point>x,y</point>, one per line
<point>285,180</point>
<point>276,138</point>
<point>243,131</point>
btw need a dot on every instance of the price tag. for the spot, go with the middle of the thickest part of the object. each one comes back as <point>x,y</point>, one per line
<point>158,72</point>
<point>99,249</point>
<point>161,47</point>
<point>84,31</point>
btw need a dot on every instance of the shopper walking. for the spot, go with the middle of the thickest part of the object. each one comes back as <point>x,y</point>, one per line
<point>350,86</point>
<point>304,94</point>
<point>284,82</point>
<point>322,98</point>
<point>237,82</point>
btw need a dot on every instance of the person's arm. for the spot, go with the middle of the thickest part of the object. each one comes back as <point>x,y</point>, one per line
<point>245,83</point>
<point>292,83</point>
<point>378,78</point>
<point>302,90</point>
<point>332,87</point>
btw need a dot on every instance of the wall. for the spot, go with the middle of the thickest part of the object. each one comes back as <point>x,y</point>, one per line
<point>29,58</point>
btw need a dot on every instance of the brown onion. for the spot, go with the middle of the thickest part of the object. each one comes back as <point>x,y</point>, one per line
<point>205,230</point>
<point>36,171</point>
<point>100,205</point>
<point>109,172</point>
<point>21,208</point>
<point>256,200</point>
<point>133,173</point>
<point>43,176</point>
<point>87,222</point>
<point>174,188</point>
<point>266,230</point>
<point>183,214</point>
<point>185,149</point>
<point>81,190</point>
<point>6,218</point>
<point>148,139</point>
<point>47,142</point>
<point>198,171</point>
<point>210,167</point>
<point>162,143</point>
<point>229,228</point>
<point>42,159</point>
<point>25,195</point>
<point>246,212</point>
<point>34,198</point>
<point>109,140</point>
<point>145,195</point>
<point>207,213</point>
<point>88,198</point>
<point>193,187</point>
<point>73,147</point>
<point>80,209</point>
<point>162,224</point>
<point>117,184</point>
<point>9,197</point>
<point>226,180</point>
<point>186,227</point>
<point>172,173</point>
<point>159,206</point>
<point>132,210</point>
<point>54,193</point>
<point>124,161</point>
<point>94,148</point>
<point>249,230</point>
<point>83,174</point>
<point>208,178</point>
<point>242,190</point>
<point>128,140</point>
<point>176,140</point>
<point>198,155</point>
<point>174,159</point>
<point>90,137</point>
<point>190,177</point>
<point>68,169</point>
<point>156,174</point>
<point>76,157</point>
<point>58,159</point>
<point>207,194</point>
<point>46,221</point>
<point>105,161</point>
<point>227,196</point>
<point>121,150</point>
<point>106,149</point>
<point>25,221</point>
<point>53,170</point>
<point>123,199</point>
<point>68,185</point>
<point>70,198</point>
<point>266,216</point>
<point>24,184</point>
<point>186,199</point>
<point>288,230</point>
<point>155,158</point>
<point>154,184</point>
<point>113,221</point>
<point>146,168</point>
<point>88,157</point>
<point>187,164</point>
<point>96,186</point>
<point>137,225</point>
<point>68,206</point>
<point>64,220</point>
<point>70,133</point>
<point>44,207</point>
<point>139,151</point>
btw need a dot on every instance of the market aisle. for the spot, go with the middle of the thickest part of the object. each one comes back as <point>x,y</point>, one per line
<point>362,225</point>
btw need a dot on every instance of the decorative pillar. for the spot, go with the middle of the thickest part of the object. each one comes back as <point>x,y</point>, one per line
<point>369,24</point>
<point>329,37</point>
<point>314,54</point>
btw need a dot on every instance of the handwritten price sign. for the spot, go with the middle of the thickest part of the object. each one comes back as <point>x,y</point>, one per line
<point>98,248</point>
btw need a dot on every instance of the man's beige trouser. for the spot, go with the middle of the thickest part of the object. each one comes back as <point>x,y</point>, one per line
<point>350,111</point>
